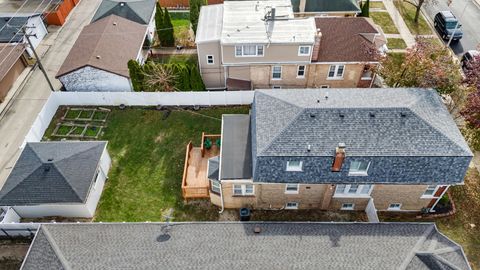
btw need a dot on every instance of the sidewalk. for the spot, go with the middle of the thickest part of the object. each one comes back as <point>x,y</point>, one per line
<point>32,93</point>
<point>399,23</point>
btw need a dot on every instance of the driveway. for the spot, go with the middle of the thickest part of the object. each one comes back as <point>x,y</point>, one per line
<point>17,118</point>
<point>470,22</point>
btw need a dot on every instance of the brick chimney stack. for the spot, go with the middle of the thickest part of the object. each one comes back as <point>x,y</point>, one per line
<point>339,158</point>
<point>316,45</point>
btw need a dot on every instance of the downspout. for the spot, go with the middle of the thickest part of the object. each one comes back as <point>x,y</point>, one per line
<point>439,198</point>
<point>221,198</point>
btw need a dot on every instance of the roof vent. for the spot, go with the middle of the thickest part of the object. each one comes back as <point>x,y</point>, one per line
<point>341,115</point>
<point>403,114</point>
<point>312,115</point>
<point>122,4</point>
<point>114,23</point>
<point>309,148</point>
<point>163,237</point>
<point>257,229</point>
<point>326,95</point>
<point>98,57</point>
<point>372,115</point>
<point>318,100</point>
<point>50,159</point>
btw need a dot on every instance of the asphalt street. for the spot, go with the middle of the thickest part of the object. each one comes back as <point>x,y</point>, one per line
<point>470,21</point>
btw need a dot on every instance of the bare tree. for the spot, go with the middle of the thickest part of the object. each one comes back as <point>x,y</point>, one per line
<point>418,6</point>
<point>159,78</point>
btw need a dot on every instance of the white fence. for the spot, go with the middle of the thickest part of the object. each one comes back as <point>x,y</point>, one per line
<point>205,98</point>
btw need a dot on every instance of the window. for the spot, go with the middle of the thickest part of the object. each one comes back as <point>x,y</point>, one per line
<point>249,50</point>
<point>243,190</point>
<point>430,191</point>
<point>324,86</point>
<point>291,205</point>
<point>210,59</point>
<point>394,206</point>
<point>353,190</point>
<point>304,51</point>
<point>291,188</point>
<point>359,168</point>
<point>336,71</point>
<point>294,166</point>
<point>276,87</point>
<point>215,186</point>
<point>301,72</point>
<point>347,206</point>
<point>277,72</point>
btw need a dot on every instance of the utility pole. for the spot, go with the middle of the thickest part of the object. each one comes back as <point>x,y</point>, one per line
<point>27,36</point>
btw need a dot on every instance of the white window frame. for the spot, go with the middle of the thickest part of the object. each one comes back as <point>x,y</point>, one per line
<point>291,168</point>
<point>304,71</point>
<point>215,184</point>
<point>347,188</point>
<point>358,173</point>
<point>273,72</point>
<point>434,191</point>
<point>352,207</point>
<point>304,54</point>
<point>335,72</point>
<point>241,47</point>
<point>294,206</point>
<point>243,188</point>
<point>297,188</point>
<point>208,61</point>
<point>395,208</point>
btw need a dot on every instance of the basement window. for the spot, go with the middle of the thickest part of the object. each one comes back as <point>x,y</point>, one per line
<point>394,206</point>
<point>347,206</point>
<point>291,205</point>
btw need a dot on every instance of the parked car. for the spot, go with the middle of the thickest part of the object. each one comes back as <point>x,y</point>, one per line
<point>468,57</point>
<point>445,23</point>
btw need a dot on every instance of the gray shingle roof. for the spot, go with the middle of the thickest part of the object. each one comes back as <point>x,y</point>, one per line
<point>327,6</point>
<point>52,172</point>
<point>213,166</point>
<point>139,11</point>
<point>371,122</point>
<point>236,246</point>
<point>10,32</point>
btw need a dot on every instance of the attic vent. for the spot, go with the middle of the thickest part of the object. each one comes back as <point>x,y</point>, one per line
<point>372,115</point>
<point>114,23</point>
<point>98,57</point>
<point>403,114</point>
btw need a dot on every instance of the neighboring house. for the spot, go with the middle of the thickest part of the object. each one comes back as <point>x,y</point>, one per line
<point>62,179</point>
<point>340,149</point>
<point>139,11</point>
<point>263,245</point>
<point>336,8</point>
<point>13,62</point>
<point>11,29</point>
<point>259,44</point>
<point>98,59</point>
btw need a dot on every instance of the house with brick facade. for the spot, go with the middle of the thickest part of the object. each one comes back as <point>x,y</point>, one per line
<point>261,44</point>
<point>339,149</point>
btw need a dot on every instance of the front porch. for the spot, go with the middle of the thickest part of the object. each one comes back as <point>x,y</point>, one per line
<point>195,184</point>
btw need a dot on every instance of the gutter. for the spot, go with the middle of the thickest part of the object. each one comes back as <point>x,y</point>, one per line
<point>221,198</point>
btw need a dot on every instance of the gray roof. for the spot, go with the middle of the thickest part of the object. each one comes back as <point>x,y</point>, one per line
<point>213,166</point>
<point>327,6</point>
<point>139,11</point>
<point>236,246</point>
<point>10,32</point>
<point>236,151</point>
<point>370,122</point>
<point>52,172</point>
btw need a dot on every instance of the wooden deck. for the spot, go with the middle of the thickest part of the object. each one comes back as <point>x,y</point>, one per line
<point>195,183</point>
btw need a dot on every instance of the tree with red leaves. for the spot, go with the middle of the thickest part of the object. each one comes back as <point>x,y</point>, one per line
<point>471,111</point>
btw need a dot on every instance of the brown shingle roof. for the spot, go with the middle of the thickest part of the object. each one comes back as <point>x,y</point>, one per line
<point>345,39</point>
<point>106,44</point>
<point>9,54</point>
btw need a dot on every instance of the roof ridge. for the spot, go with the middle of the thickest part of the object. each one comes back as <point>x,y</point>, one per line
<point>415,248</point>
<point>133,10</point>
<point>55,248</point>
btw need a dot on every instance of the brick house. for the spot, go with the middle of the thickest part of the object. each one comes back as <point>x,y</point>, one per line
<point>260,44</point>
<point>340,149</point>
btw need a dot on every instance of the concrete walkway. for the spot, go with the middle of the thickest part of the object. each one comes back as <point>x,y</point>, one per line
<point>22,109</point>
<point>399,23</point>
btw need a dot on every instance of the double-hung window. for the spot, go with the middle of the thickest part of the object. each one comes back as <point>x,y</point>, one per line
<point>359,168</point>
<point>210,60</point>
<point>243,190</point>
<point>336,71</point>
<point>304,50</point>
<point>291,188</point>
<point>294,166</point>
<point>249,50</point>
<point>430,191</point>
<point>277,72</point>
<point>394,206</point>
<point>353,190</point>
<point>215,187</point>
<point>301,72</point>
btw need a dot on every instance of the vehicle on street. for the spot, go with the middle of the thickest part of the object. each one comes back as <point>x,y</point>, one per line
<point>468,58</point>
<point>445,23</point>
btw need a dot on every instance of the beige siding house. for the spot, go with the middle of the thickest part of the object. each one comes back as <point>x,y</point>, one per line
<point>260,44</point>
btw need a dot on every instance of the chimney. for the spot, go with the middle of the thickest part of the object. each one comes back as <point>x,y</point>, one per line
<point>316,46</point>
<point>272,13</point>
<point>339,157</point>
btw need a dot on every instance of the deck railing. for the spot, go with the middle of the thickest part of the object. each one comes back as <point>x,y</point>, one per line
<point>184,179</point>
<point>212,137</point>
<point>189,192</point>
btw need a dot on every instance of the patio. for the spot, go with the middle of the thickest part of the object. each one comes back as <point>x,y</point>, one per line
<point>195,183</point>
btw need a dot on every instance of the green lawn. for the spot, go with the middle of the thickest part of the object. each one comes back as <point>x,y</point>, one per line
<point>398,58</point>
<point>464,226</point>
<point>408,14</point>
<point>148,153</point>
<point>384,20</point>
<point>396,43</point>
<point>378,5</point>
